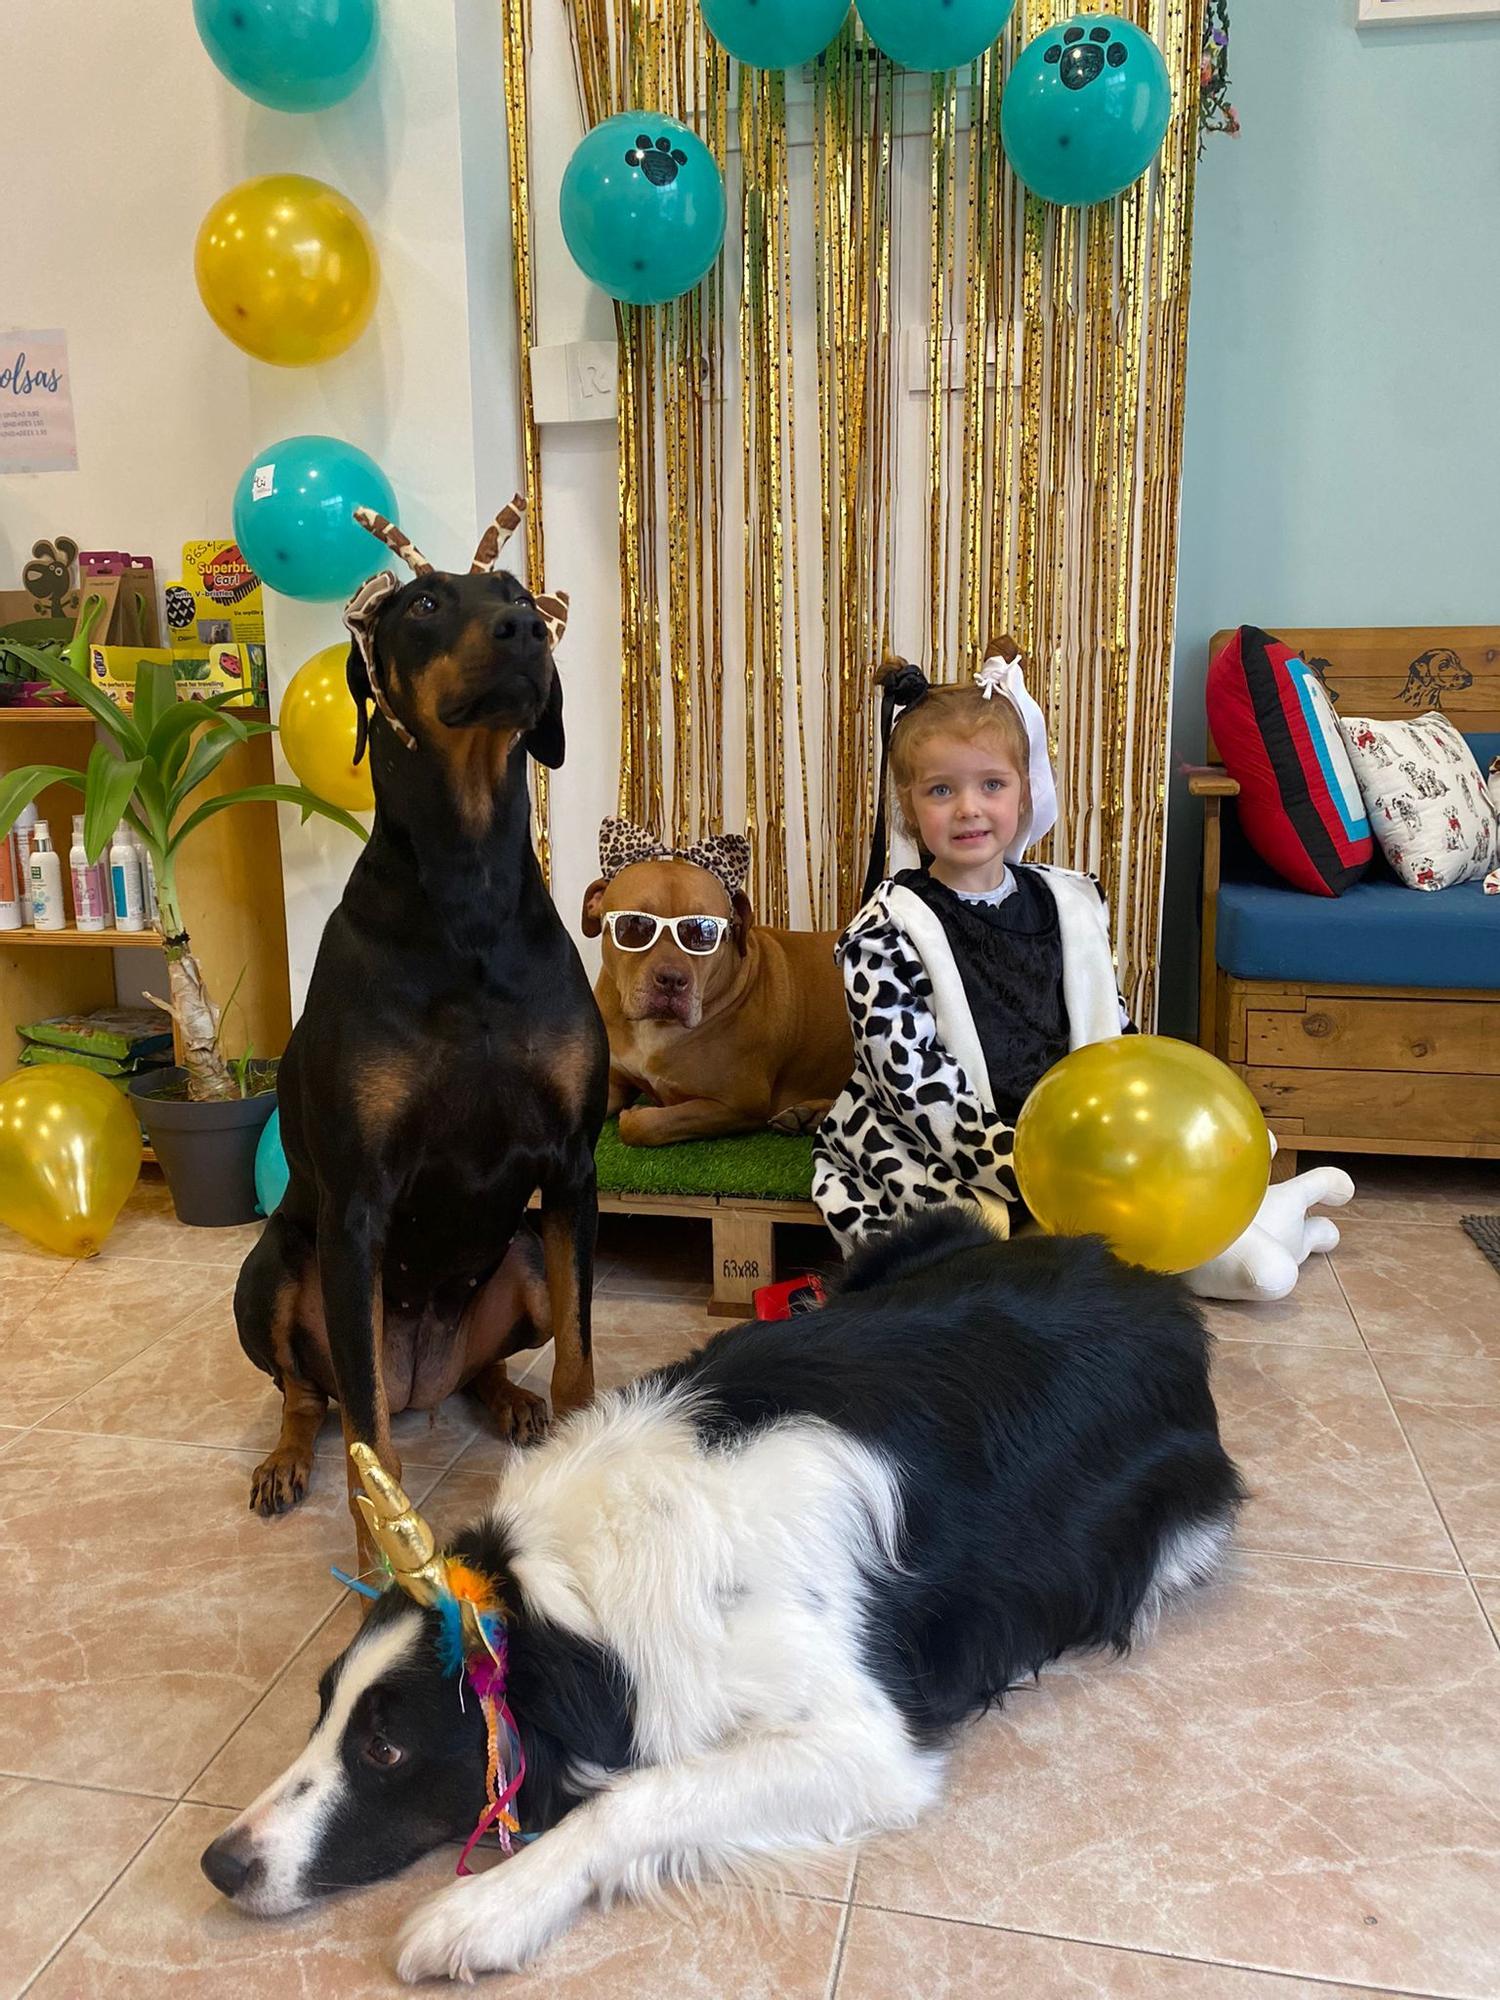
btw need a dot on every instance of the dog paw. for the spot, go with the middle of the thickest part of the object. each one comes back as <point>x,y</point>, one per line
<point>519,1415</point>
<point>279,1483</point>
<point>473,1927</point>
<point>798,1118</point>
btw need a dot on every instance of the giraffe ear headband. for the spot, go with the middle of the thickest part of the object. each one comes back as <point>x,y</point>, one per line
<point>365,606</point>
<point>472,1639</point>
<point>1001,677</point>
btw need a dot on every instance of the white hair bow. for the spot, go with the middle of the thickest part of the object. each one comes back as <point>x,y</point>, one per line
<point>1004,676</point>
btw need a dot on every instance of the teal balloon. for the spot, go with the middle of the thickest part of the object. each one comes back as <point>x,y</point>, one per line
<point>1086,107</point>
<point>293,55</point>
<point>934,34</point>
<point>271,1170</point>
<point>643,208</point>
<point>294,516</point>
<point>774,34</point>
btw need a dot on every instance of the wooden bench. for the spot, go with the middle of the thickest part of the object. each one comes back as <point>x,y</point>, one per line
<point>1400,1068</point>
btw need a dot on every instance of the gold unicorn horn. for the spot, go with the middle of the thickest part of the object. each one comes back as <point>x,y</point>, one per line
<point>398,1530</point>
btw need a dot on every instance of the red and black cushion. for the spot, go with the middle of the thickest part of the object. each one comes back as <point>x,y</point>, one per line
<point>1279,736</point>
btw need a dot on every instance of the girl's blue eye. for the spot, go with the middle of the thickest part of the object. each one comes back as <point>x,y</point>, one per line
<point>937,792</point>
<point>994,784</point>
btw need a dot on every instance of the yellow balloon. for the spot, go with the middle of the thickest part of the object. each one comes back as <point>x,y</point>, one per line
<point>317,724</point>
<point>287,268</point>
<point>70,1152</point>
<point>1148,1142</point>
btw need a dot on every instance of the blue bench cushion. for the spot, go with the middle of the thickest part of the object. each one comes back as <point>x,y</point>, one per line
<point>1377,933</point>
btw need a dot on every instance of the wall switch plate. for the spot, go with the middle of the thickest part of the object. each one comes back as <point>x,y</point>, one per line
<point>576,384</point>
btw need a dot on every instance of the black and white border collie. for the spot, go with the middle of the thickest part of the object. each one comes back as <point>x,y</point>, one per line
<point>751,1597</point>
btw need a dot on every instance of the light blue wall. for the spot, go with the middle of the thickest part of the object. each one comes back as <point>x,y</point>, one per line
<point>1342,456</point>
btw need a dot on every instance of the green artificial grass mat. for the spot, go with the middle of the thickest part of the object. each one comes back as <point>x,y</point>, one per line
<point>757,1166</point>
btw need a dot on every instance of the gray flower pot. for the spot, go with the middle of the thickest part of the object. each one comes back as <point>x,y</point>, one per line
<point>206,1151</point>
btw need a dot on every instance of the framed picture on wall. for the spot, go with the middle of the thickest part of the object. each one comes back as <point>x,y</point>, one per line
<point>1388,13</point>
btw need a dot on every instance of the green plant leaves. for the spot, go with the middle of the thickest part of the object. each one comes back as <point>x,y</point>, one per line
<point>19,788</point>
<point>108,787</point>
<point>287,795</point>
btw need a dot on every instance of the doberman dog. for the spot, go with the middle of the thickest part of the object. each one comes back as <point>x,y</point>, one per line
<point>450,1061</point>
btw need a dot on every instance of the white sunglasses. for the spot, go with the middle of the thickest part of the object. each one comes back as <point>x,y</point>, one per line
<point>638,930</point>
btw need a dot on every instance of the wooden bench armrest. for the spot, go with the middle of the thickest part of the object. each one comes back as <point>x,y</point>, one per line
<point>1213,784</point>
<point>1211,781</point>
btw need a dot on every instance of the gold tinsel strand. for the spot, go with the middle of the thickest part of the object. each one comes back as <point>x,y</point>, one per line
<point>515,47</point>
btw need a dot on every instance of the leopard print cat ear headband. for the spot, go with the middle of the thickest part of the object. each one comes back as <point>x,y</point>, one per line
<point>725,855</point>
<point>364,607</point>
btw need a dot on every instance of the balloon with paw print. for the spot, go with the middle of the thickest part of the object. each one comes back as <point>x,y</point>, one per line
<point>643,208</point>
<point>1085,109</point>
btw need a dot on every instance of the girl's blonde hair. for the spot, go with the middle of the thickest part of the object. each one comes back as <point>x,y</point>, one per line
<point>957,711</point>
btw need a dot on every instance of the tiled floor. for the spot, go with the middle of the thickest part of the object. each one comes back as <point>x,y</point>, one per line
<point>1294,1790</point>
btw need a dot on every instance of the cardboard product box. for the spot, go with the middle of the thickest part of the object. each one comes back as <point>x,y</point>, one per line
<point>128,585</point>
<point>217,601</point>
<point>238,669</point>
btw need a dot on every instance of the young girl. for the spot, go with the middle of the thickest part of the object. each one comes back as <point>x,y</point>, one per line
<point>968,978</point>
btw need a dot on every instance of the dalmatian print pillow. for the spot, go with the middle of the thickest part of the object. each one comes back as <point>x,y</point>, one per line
<point>1426,797</point>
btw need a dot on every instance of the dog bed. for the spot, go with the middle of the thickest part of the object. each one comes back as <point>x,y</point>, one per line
<point>753,1166</point>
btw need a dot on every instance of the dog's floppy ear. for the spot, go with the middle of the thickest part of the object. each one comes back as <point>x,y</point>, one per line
<point>545,740</point>
<point>359,693</point>
<point>592,919</point>
<point>742,921</point>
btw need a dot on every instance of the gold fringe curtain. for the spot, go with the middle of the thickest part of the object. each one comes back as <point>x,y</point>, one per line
<point>1043,504</point>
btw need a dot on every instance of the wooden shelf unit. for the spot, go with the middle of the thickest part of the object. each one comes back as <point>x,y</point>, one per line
<point>110,940</point>
<point>228,877</point>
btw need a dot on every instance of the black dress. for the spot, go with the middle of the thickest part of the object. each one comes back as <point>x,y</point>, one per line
<point>1010,958</point>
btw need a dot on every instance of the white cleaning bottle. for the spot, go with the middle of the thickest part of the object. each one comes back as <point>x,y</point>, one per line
<point>24,832</point>
<point>148,879</point>
<point>47,910</point>
<point>88,904</point>
<point>10,884</point>
<point>125,874</point>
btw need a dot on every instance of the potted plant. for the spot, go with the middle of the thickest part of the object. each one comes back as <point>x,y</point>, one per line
<point>205,1118</point>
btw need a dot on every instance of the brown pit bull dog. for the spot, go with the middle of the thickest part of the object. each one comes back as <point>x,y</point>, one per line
<point>724,1026</point>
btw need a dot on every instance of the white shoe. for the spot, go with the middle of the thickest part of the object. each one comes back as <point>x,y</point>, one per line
<point>1262,1265</point>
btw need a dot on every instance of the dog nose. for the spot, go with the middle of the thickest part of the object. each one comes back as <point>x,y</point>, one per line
<point>520,625</point>
<point>228,1864</point>
<point>670,981</point>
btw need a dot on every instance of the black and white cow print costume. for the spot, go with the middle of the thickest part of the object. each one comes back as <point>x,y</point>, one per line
<point>917,1125</point>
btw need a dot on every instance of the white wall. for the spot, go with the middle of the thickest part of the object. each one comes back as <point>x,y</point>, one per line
<point>1343,418</point>
<point>109,177</point>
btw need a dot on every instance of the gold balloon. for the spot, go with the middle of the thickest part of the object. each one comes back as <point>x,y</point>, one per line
<point>70,1152</point>
<point>287,268</point>
<point>317,724</point>
<point>1148,1142</point>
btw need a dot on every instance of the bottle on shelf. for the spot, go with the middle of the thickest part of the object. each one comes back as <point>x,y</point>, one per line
<point>125,876</point>
<point>24,833</point>
<point>148,879</point>
<point>10,884</point>
<point>47,910</point>
<point>88,901</point>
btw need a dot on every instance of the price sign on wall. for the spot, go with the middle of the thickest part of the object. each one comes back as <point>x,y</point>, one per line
<point>36,403</point>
